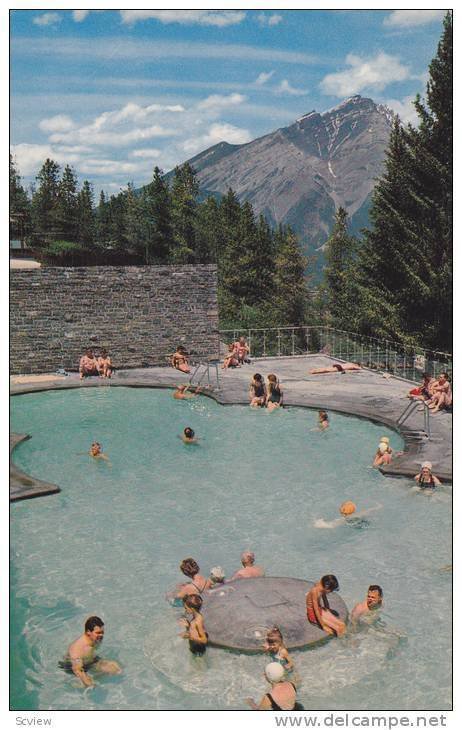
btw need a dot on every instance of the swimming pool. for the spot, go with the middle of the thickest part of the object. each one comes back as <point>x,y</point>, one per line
<point>110,543</point>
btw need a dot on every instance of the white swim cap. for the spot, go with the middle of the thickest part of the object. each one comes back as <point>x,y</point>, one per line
<point>426,465</point>
<point>217,572</point>
<point>274,672</point>
<point>383,447</point>
<point>384,439</point>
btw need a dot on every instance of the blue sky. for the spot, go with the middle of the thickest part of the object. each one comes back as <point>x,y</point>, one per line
<point>113,93</point>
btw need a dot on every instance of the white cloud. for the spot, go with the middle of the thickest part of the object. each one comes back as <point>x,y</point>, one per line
<point>270,20</point>
<point>404,108</point>
<point>263,77</point>
<point>80,15</point>
<point>107,167</point>
<point>285,88</point>
<point>412,18</point>
<point>47,19</point>
<point>363,73</point>
<point>219,132</point>
<point>219,18</point>
<point>30,157</point>
<point>218,101</point>
<point>146,153</point>
<point>58,123</point>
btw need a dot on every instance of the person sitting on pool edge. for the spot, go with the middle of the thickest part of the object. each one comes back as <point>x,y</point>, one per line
<point>373,602</point>
<point>425,478</point>
<point>198,583</point>
<point>249,569</point>
<point>88,364</point>
<point>322,615</point>
<point>180,360</point>
<point>81,653</point>
<point>257,391</point>
<point>283,695</point>
<point>274,397</point>
<point>182,392</point>
<point>195,630</point>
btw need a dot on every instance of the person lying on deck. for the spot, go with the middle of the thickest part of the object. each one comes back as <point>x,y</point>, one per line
<point>336,368</point>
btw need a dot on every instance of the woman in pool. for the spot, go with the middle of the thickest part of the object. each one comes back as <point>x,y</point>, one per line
<point>349,516</point>
<point>274,397</point>
<point>425,478</point>
<point>198,583</point>
<point>318,610</point>
<point>323,420</point>
<point>180,360</point>
<point>257,391</point>
<point>283,695</point>
<point>383,455</point>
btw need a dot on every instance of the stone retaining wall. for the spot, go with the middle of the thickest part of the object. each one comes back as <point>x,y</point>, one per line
<point>138,313</point>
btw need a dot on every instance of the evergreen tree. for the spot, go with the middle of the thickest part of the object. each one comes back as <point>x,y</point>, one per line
<point>20,209</point>
<point>45,211</point>
<point>102,222</point>
<point>228,256</point>
<point>290,287</point>
<point>338,273</point>
<point>66,206</point>
<point>157,217</point>
<point>85,224</point>
<point>185,190</point>
<point>207,231</point>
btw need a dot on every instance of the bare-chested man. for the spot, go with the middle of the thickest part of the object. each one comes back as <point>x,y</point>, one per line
<point>182,392</point>
<point>81,654</point>
<point>373,601</point>
<point>249,569</point>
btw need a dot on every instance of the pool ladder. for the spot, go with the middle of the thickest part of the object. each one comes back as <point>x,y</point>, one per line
<point>408,411</point>
<point>206,374</point>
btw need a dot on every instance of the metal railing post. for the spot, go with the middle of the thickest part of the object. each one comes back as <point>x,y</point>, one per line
<point>279,342</point>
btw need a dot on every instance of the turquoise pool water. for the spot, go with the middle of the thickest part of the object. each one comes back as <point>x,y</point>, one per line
<point>110,543</point>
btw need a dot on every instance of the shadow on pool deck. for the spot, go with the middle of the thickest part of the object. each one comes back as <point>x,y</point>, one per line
<point>365,393</point>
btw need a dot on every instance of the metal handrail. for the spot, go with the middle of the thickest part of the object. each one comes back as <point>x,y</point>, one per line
<point>410,409</point>
<point>206,372</point>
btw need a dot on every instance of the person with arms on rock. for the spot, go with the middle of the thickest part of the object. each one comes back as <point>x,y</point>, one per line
<point>318,610</point>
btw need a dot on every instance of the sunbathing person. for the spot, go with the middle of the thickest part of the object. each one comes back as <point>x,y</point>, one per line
<point>257,391</point>
<point>180,360</point>
<point>425,478</point>
<point>249,569</point>
<point>442,394</point>
<point>283,695</point>
<point>318,610</point>
<point>274,396</point>
<point>231,360</point>
<point>198,583</point>
<point>105,365</point>
<point>88,364</point>
<point>243,350</point>
<point>182,392</point>
<point>336,368</point>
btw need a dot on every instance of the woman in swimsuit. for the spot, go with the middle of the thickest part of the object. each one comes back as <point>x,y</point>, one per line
<point>180,360</point>
<point>231,360</point>
<point>425,479</point>
<point>283,695</point>
<point>423,391</point>
<point>257,391</point>
<point>198,583</point>
<point>318,610</point>
<point>242,350</point>
<point>274,396</point>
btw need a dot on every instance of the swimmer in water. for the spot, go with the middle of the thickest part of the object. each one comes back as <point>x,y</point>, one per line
<point>274,646</point>
<point>426,479</point>
<point>81,654</point>
<point>195,630</point>
<point>373,602</point>
<point>188,436</point>
<point>249,569</point>
<point>349,516</point>
<point>383,455</point>
<point>96,450</point>
<point>182,392</point>
<point>198,583</point>
<point>318,611</point>
<point>323,420</point>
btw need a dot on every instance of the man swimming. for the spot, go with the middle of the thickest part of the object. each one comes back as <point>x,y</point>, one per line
<point>349,516</point>
<point>182,392</point>
<point>373,602</point>
<point>81,654</point>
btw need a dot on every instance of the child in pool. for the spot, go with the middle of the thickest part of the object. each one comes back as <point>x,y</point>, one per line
<point>195,630</point>
<point>188,436</point>
<point>274,645</point>
<point>318,611</point>
<point>96,450</point>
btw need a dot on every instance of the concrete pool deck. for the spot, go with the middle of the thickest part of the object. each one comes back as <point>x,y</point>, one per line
<point>364,393</point>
